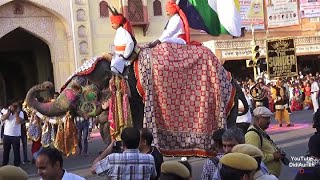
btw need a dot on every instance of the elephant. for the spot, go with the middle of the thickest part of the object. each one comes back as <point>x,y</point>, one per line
<point>99,78</point>
<point>86,90</point>
<point>72,95</point>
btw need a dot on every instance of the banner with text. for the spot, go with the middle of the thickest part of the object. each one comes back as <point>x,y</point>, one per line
<point>309,8</point>
<point>281,58</point>
<point>251,12</point>
<point>281,13</point>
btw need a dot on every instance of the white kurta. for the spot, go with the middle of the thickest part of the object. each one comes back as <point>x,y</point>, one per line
<point>314,92</point>
<point>174,28</point>
<point>246,118</point>
<point>70,176</point>
<point>122,39</point>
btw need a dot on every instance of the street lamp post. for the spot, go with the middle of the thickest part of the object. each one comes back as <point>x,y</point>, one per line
<point>255,52</point>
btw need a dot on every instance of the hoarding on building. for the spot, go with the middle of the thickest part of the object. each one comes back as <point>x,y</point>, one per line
<point>251,12</point>
<point>309,8</point>
<point>281,58</point>
<point>281,13</point>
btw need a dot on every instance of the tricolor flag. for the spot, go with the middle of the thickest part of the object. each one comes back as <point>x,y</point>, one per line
<point>213,16</point>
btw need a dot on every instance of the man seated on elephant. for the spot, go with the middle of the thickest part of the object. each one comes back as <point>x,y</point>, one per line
<point>124,41</point>
<point>177,28</point>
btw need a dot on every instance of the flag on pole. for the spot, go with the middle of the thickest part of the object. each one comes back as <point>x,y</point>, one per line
<point>213,16</point>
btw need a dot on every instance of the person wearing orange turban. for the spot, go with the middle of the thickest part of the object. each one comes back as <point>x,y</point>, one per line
<point>177,28</point>
<point>124,42</point>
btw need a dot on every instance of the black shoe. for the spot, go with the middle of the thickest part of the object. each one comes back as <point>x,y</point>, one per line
<point>290,125</point>
<point>280,125</point>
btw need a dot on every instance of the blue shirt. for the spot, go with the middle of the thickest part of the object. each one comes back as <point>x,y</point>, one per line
<point>129,165</point>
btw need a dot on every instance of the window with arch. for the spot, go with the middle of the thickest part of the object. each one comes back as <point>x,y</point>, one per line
<point>81,15</point>
<point>82,31</point>
<point>83,60</point>
<point>135,11</point>
<point>104,11</point>
<point>79,1</point>
<point>18,9</point>
<point>157,9</point>
<point>83,47</point>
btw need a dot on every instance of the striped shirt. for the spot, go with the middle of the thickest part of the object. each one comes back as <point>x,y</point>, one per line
<point>129,165</point>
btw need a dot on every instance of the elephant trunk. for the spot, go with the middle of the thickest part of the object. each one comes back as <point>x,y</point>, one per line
<point>50,109</point>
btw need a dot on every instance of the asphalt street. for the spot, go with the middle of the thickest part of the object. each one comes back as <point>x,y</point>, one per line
<point>292,140</point>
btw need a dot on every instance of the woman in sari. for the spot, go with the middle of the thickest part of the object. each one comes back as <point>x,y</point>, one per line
<point>296,100</point>
<point>307,104</point>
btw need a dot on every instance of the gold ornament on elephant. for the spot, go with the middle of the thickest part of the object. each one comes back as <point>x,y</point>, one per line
<point>90,97</point>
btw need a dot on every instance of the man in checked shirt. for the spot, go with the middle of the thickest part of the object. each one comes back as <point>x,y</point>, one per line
<point>128,165</point>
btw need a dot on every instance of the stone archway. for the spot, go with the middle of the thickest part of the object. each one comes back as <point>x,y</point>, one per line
<point>3,100</point>
<point>23,63</point>
<point>45,25</point>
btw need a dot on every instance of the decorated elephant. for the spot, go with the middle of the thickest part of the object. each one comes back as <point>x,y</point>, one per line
<point>173,88</point>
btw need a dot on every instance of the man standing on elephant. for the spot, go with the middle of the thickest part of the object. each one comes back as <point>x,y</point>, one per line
<point>177,28</point>
<point>124,41</point>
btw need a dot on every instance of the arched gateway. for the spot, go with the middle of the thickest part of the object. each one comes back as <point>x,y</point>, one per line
<point>35,46</point>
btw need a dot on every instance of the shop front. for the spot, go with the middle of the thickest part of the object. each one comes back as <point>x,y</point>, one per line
<point>234,53</point>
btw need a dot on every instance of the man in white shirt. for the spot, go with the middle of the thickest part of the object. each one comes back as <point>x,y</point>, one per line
<point>177,28</point>
<point>12,119</point>
<point>50,166</point>
<point>123,42</point>
<point>314,94</point>
<point>243,122</point>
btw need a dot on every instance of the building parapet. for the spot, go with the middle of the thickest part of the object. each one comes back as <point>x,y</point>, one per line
<point>241,49</point>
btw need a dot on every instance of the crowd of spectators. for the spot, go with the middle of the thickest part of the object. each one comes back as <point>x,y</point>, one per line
<point>302,91</point>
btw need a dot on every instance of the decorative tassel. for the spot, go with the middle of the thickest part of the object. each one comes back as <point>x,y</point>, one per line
<point>70,136</point>
<point>112,109</point>
<point>59,141</point>
<point>46,135</point>
<point>119,108</point>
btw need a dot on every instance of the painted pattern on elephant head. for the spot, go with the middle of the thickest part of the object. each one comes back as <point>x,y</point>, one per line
<point>84,97</point>
<point>68,97</point>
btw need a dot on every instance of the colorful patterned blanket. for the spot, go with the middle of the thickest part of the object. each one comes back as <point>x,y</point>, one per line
<point>85,69</point>
<point>187,95</point>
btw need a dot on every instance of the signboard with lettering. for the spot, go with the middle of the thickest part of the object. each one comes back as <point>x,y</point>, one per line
<point>251,12</point>
<point>309,8</point>
<point>281,58</point>
<point>281,13</point>
<point>310,48</point>
<point>240,53</point>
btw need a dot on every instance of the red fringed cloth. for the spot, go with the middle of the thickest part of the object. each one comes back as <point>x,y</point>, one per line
<point>119,107</point>
<point>187,95</point>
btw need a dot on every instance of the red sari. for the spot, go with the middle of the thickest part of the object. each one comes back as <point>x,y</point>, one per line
<point>36,145</point>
